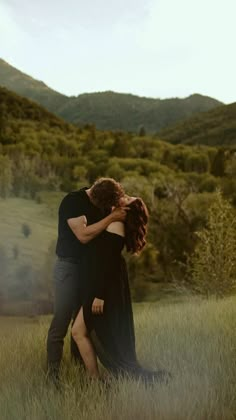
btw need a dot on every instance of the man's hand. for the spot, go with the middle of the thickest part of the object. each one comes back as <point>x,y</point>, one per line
<point>97,306</point>
<point>119,214</point>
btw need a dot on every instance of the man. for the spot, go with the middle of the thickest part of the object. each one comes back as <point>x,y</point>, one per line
<point>95,203</point>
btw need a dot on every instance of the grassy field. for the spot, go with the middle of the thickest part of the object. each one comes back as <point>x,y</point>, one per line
<point>42,220</point>
<point>195,340</point>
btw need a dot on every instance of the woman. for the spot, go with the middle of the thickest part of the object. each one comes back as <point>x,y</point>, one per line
<point>104,324</point>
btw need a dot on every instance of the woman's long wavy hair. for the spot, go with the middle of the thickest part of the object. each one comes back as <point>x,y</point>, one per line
<point>136,226</point>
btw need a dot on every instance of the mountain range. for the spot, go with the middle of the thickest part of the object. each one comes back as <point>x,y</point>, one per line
<point>107,110</point>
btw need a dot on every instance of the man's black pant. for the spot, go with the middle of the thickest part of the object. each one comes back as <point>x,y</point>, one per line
<point>67,295</point>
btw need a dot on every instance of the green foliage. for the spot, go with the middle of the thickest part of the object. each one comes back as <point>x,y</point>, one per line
<point>217,127</point>
<point>209,183</point>
<point>196,162</point>
<point>116,111</point>
<point>6,176</point>
<point>218,164</point>
<point>121,146</point>
<point>213,263</point>
<point>142,131</point>
<point>231,165</point>
<point>142,271</point>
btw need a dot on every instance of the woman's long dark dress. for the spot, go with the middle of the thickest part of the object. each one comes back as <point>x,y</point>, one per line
<point>104,275</point>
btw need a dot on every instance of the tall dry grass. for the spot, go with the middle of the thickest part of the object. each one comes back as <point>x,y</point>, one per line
<point>195,340</point>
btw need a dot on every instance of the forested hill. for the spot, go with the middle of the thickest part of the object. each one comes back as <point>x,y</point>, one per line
<point>15,107</point>
<point>118,111</point>
<point>214,128</point>
<point>107,110</point>
<point>38,150</point>
<point>27,86</point>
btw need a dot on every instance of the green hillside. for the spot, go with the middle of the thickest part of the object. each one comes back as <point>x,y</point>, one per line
<point>107,110</point>
<point>40,151</point>
<point>214,128</point>
<point>117,111</point>
<point>13,106</point>
<point>24,85</point>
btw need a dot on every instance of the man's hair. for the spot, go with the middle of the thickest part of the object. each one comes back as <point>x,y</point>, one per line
<point>106,193</point>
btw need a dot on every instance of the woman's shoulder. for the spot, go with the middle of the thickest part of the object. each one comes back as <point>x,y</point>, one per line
<point>116,227</point>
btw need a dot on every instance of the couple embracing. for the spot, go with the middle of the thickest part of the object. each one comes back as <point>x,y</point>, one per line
<point>91,281</point>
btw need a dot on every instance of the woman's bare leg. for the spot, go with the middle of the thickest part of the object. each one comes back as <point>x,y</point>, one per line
<point>80,335</point>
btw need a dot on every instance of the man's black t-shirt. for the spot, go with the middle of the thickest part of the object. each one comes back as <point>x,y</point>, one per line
<point>74,204</point>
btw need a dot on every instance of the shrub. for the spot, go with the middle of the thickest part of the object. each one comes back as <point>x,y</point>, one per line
<point>213,263</point>
<point>26,230</point>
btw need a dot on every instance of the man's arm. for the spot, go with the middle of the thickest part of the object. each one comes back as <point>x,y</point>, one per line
<point>86,233</point>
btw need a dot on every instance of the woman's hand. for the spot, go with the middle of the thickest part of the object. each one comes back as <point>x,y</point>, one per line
<point>97,306</point>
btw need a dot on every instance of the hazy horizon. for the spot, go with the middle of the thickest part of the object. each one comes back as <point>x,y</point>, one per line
<point>157,49</point>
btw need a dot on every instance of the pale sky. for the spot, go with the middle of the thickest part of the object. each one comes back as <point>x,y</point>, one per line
<point>155,48</point>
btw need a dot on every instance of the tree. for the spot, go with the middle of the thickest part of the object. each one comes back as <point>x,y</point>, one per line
<point>213,263</point>
<point>26,230</point>
<point>142,131</point>
<point>3,119</point>
<point>196,162</point>
<point>121,146</point>
<point>115,171</point>
<point>5,176</point>
<point>218,164</point>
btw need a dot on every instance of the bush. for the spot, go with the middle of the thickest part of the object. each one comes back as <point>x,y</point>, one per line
<point>213,263</point>
<point>5,176</point>
<point>26,230</point>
